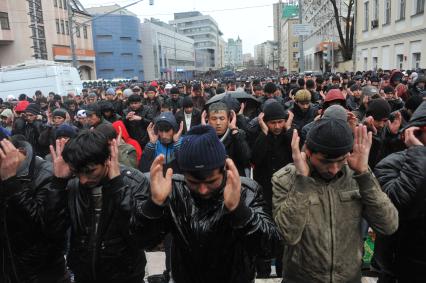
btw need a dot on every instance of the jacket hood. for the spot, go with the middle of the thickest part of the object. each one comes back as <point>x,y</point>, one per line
<point>418,118</point>
<point>124,133</point>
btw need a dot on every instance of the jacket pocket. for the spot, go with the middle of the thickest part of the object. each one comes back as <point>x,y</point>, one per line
<point>314,208</point>
<point>350,202</point>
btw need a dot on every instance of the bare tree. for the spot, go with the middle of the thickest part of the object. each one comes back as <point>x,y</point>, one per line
<point>346,40</point>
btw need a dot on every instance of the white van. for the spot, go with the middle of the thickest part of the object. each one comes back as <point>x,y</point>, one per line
<point>46,76</point>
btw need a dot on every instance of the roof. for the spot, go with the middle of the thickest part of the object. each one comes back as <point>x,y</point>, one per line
<point>109,9</point>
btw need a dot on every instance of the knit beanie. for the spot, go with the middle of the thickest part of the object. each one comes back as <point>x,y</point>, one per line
<point>33,109</point>
<point>166,120</point>
<point>336,112</point>
<point>329,136</point>
<point>60,113</point>
<point>65,130</point>
<point>379,109</point>
<point>110,91</point>
<point>274,111</point>
<point>201,150</point>
<point>303,95</point>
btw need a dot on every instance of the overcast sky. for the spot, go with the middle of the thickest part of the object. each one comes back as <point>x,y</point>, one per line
<point>250,19</point>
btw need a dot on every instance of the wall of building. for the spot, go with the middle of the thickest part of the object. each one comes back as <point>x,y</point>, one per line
<point>118,47</point>
<point>289,46</point>
<point>397,41</point>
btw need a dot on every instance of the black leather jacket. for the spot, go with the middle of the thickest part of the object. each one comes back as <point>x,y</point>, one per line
<point>113,251</point>
<point>31,244</point>
<point>402,177</point>
<point>210,244</point>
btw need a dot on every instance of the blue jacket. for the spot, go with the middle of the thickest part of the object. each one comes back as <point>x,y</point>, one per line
<point>151,151</point>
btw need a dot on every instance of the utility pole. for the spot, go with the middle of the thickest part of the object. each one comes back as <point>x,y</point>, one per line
<point>301,52</point>
<point>71,32</point>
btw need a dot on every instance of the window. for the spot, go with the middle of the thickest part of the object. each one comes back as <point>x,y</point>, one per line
<point>375,20</point>
<point>55,3</point>
<point>4,20</point>
<point>295,44</point>
<point>67,28</point>
<point>295,55</point>
<point>77,30</point>
<point>85,31</point>
<point>399,60</point>
<point>62,27</point>
<point>387,11</point>
<point>374,62</point>
<point>416,60</point>
<point>58,28</point>
<point>366,16</point>
<point>419,6</point>
<point>60,3</point>
<point>65,4</point>
<point>125,38</point>
<point>104,37</point>
<point>401,10</point>
<point>365,63</point>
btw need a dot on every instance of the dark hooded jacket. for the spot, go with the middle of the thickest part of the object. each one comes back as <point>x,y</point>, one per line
<point>414,90</point>
<point>402,177</point>
<point>301,118</point>
<point>211,244</point>
<point>31,244</point>
<point>112,251</point>
<point>31,132</point>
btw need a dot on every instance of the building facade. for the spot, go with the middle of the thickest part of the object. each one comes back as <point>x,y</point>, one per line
<point>41,29</point>
<point>205,32</point>
<point>266,55</point>
<point>234,53</point>
<point>248,60</point>
<point>167,54</point>
<point>391,34</point>
<point>319,15</point>
<point>118,44</point>
<point>289,60</point>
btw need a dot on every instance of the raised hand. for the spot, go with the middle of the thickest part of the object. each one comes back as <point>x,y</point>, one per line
<point>9,159</point>
<point>233,123</point>
<point>410,139</point>
<point>262,123</point>
<point>151,133</point>
<point>395,124</point>
<point>161,186</point>
<point>60,168</point>
<point>299,158</point>
<point>352,120</point>
<point>370,124</point>
<point>289,121</point>
<point>203,118</point>
<point>232,191</point>
<point>113,163</point>
<point>243,106</point>
<point>358,159</point>
<point>177,136</point>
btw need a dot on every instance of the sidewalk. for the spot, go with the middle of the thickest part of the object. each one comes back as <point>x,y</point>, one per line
<point>156,265</point>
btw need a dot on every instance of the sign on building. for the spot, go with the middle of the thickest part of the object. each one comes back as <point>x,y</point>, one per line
<point>301,29</point>
<point>290,11</point>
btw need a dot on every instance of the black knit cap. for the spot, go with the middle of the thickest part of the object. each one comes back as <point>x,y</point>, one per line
<point>33,108</point>
<point>332,137</point>
<point>379,109</point>
<point>274,111</point>
<point>60,113</point>
<point>201,150</point>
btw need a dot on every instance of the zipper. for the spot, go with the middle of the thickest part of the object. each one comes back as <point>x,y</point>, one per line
<point>330,197</point>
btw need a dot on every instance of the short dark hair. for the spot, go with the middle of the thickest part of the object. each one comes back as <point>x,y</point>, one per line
<point>270,88</point>
<point>166,104</point>
<point>107,130</point>
<point>218,106</point>
<point>87,148</point>
<point>310,83</point>
<point>301,82</point>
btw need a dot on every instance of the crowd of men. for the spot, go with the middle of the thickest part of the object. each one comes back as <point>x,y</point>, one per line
<point>231,176</point>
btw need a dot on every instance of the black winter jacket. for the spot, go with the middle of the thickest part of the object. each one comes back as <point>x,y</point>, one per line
<point>301,118</point>
<point>31,132</point>
<point>112,252</point>
<point>31,242</point>
<point>270,154</point>
<point>402,177</point>
<point>210,244</point>
<point>137,129</point>
<point>237,149</point>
